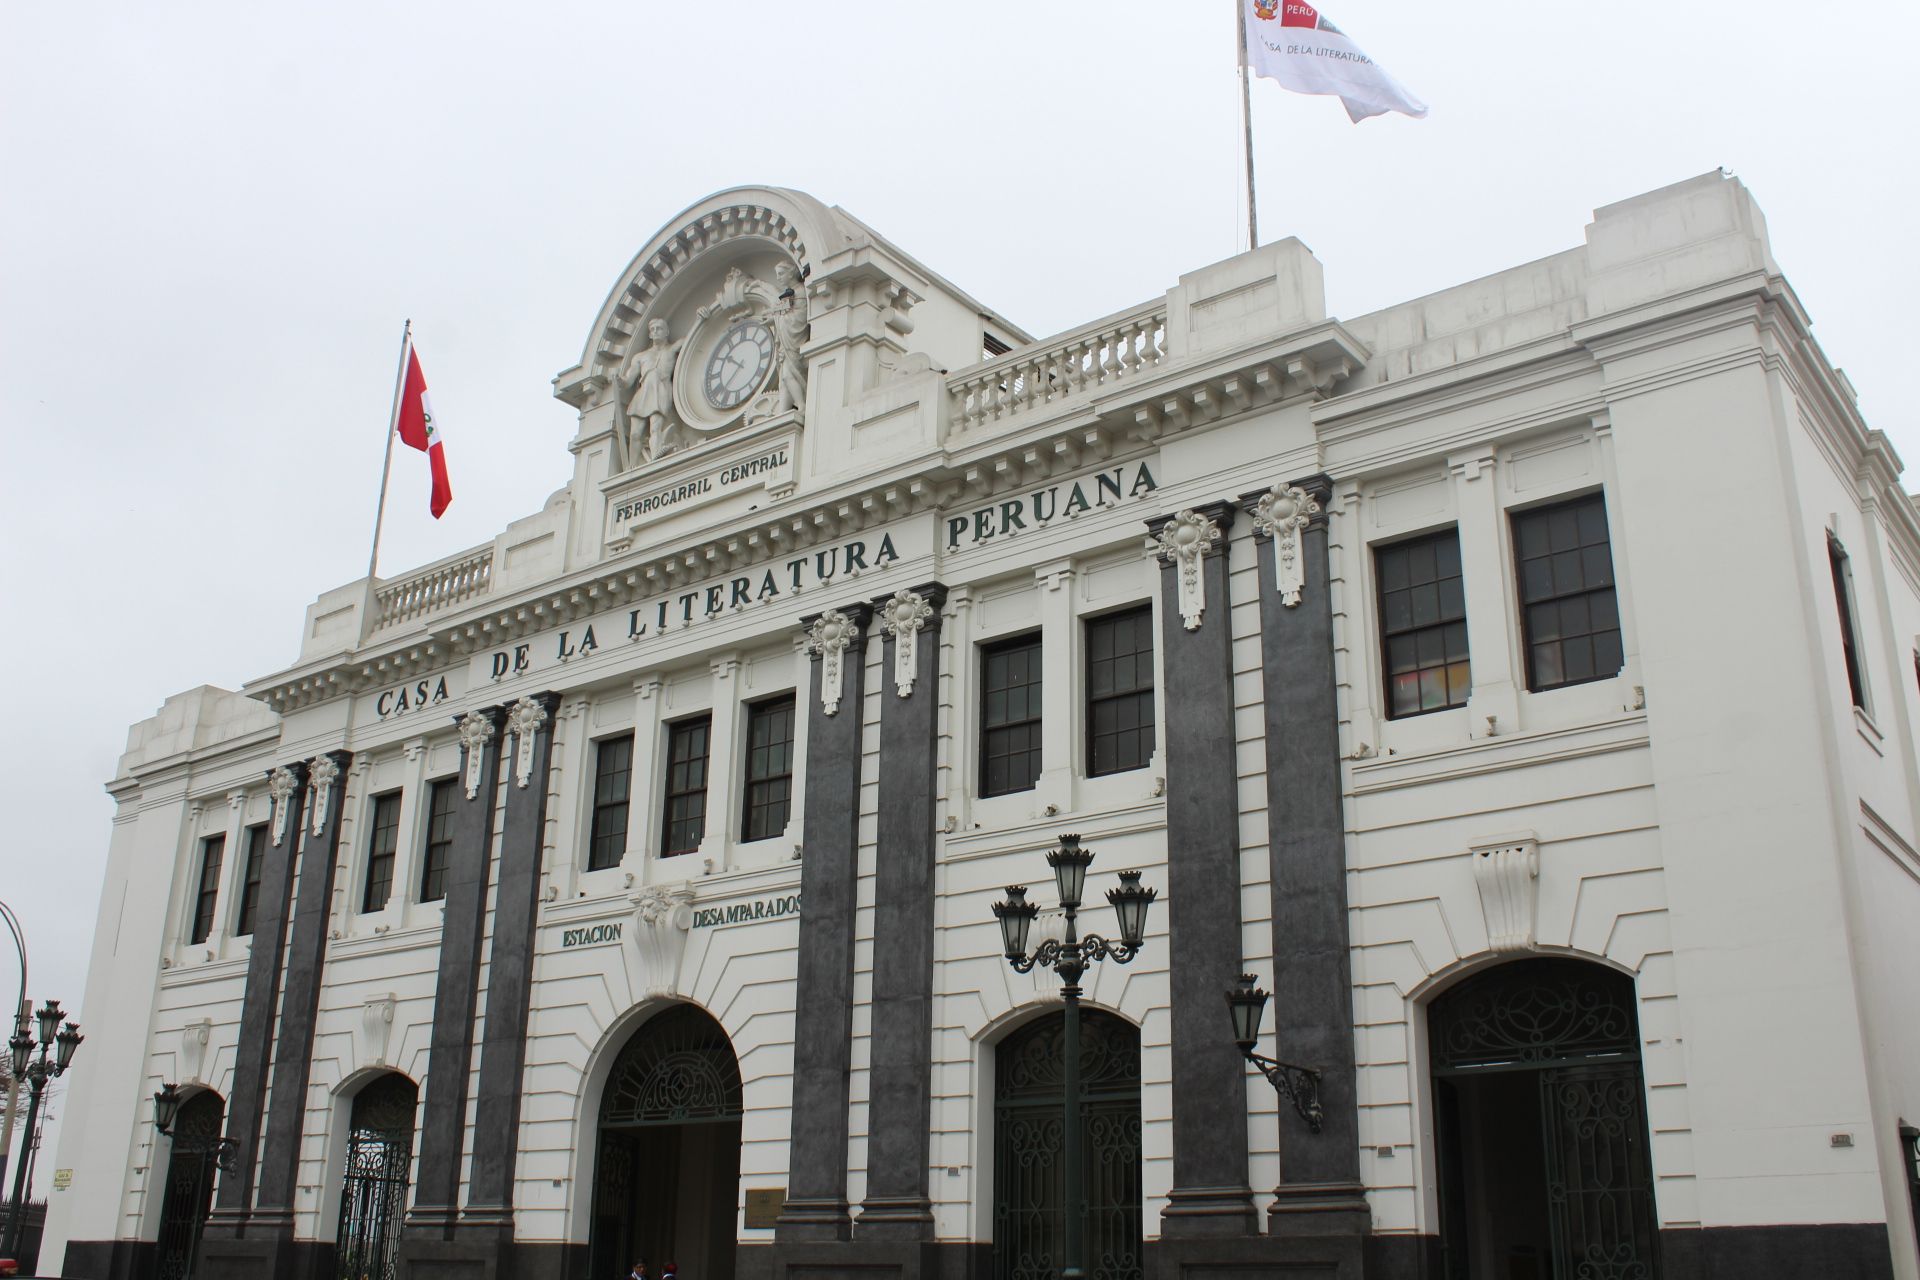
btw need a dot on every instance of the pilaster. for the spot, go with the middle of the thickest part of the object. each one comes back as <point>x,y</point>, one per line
<point>816,1206</point>
<point>643,811</point>
<point>1053,789</point>
<point>1493,704</point>
<point>723,802</point>
<point>1210,1195</point>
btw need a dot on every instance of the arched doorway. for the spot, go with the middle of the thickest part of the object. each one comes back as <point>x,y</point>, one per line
<point>1028,1178</point>
<point>190,1173</point>
<point>667,1176</point>
<point>373,1192</point>
<point>1542,1131</point>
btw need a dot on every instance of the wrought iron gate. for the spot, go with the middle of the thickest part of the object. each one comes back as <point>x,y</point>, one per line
<point>1571,1026</point>
<point>190,1168</point>
<point>373,1195</point>
<point>1029,1181</point>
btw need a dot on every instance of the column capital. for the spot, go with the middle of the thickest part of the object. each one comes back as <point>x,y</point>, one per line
<point>830,637</point>
<point>1317,487</point>
<point>1182,541</point>
<point>903,616</point>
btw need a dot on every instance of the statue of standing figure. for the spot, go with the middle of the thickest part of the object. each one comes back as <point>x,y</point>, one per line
<point>649,372</point>
<point>789,321</point>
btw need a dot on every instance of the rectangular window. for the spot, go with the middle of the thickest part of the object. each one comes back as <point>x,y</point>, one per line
<point>386,838</point>
<point>1119,691</point>
<point>1010,716</point>
<point>433,871</point>
<point>769,797</point>
<point>685,821</point>
<point>1423,624</point>
<point>212,851</point>
<point>1568,611</point>
<point>250,882</point>
<point>612,796</point>
<point>1849,629</point>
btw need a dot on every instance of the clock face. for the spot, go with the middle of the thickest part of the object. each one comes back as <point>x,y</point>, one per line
<point>738,363</point>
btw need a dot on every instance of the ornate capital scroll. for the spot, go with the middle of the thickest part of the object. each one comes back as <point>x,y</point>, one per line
<point>476,731</point>
<point>376,1021</point>
<point>322,772</point>
<point>828,639</point>
<point>1283,513</point>
<point>904,617</point>
<point>1184,542</point>
<point>524,721</point>
<point>281,784</point>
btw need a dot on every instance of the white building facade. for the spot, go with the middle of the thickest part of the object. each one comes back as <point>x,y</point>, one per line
<point>1521,682</point>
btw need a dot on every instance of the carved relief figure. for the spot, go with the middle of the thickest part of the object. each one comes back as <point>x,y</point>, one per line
<point>649,374</point>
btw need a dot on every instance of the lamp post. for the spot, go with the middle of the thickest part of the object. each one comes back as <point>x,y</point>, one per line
<point>57,1047</point>
<point>22,1011</point>
<point>166,1107</point>
<point>1069,957</point>
<point>1298,1085</point>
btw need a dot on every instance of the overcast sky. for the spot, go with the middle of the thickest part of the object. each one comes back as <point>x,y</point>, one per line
<point>214,219</point>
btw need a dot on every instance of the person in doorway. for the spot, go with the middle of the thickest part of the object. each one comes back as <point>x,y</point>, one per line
<point>639,1271</point>
<point>670,1272</point>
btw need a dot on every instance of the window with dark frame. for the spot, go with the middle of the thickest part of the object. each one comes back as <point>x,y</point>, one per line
<point>612,801</point>
<point>1423,624</point>
<point>212,852</point>
<point>1910,1149</point>
<point>1569,614</point>
<point>439,852</point>
<point>250,881</point>
<point>769,792</point>
<point>1849,627</point>
<point>380,851</point>
<point>1120,723</point>
<point>1010,716</point>
<point>684,824</point>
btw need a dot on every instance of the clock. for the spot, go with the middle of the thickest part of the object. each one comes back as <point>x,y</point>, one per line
<point>738,364</point>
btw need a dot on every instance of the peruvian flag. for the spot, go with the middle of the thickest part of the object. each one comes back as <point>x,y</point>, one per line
<point>419,430</point>
<point>1292,42</point>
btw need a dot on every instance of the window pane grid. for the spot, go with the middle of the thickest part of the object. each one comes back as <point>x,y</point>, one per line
<point>1120,728</point>
<point>685,822</point>
<point>1010,717</point>
<point>386,838</point>
<point>212,853</point>
<point>1568,608</point>
<point>433,875</point>
<point>612,801</point>
<point>1423,624</point>
<point>1849,635</point>
<point>769,790</point>
<point>250,882</point>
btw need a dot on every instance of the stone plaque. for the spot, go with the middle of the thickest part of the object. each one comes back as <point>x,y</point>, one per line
<point>764,1205</point>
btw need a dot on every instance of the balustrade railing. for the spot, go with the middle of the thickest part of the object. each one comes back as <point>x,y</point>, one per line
<point>1081,360</point>
<point>436,587</point>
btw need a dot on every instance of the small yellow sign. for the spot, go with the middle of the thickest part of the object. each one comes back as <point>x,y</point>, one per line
<point>62,1179</point>
<point>764,1205</point>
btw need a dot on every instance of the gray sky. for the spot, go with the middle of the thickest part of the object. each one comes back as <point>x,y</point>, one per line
<point>215,217</point>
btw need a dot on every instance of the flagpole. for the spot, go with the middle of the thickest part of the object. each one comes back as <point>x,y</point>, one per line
<point>1246,122</point>
<point>386,467</point>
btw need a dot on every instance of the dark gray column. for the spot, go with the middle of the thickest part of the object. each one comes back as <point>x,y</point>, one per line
<point>1210,1195</point>
<point>899,1112</point>
<point>288,786</point>
<point>503,1049</point>
<point>1320,1187</point>
<point>300,1003</point>
<point>450,1057</point>
<point>816,1207</point>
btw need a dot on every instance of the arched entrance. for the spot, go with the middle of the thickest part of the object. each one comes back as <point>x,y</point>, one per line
<point>373,1193</point>
<point>190,1173</point>
<point>1542,1128</point>
<point>667,1176</point>
<point>1028,1178</point>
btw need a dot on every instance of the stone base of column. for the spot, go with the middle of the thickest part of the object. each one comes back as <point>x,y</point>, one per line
<point>902,1218</point>
<point>863,1260</point>
<point>488,1253</point>
<point>1257,1258</point>
<point>429,1222</point>
<point>260,1253</point>
<point>1319,1209</point>
<point>809,1221</point>
<point>106,1259</point>
<point>1209,1211</point>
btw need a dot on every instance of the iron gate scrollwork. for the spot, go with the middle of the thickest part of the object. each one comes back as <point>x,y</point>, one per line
<point>190,1169</point>
<point>679,1069</point>
<point>1029,1181</point>
<point>373,1195</point>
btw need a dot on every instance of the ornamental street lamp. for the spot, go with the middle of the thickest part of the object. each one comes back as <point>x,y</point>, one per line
<point>1298,1085</point>
<point>1069,957</point>
<point>56,1054</point>
<point>166,1107</point>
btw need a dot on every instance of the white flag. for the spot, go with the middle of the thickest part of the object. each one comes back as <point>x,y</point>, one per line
<point>1293,43</point>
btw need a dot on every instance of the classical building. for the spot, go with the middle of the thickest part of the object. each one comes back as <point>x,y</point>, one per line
<point>1520,681</point>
